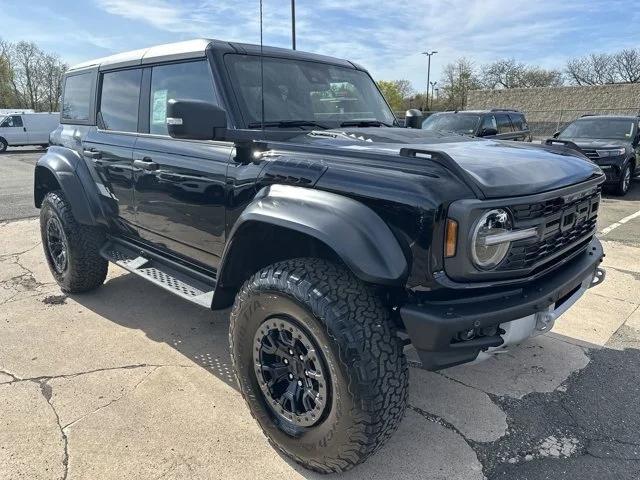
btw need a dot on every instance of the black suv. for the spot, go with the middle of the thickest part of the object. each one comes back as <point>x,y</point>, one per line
<point>278,182</point>
<point>613,142</point>
<point>498,123</point>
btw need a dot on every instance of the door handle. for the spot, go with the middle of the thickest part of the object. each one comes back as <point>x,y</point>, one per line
<point>92,154</point>
<point>24,129</point>
<point>146,164</point>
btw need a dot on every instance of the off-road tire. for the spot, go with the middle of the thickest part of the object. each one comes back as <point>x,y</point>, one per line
<point>85,269</point>
<point>624,184</point>
<point>3,145</point>
<point>367,367</point>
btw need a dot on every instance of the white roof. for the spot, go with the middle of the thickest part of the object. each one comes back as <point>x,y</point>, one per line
<point>170,51</point>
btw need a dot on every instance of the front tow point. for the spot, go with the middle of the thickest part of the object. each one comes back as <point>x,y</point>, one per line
<point>598,277</point>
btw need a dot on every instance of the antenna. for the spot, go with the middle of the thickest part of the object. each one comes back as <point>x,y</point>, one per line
<point>261,74</point>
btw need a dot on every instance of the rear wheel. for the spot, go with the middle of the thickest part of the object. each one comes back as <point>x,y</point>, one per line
<point>625,180</point>
<point>318,362</point>
<point>3,145</point>
<point>72,250</point>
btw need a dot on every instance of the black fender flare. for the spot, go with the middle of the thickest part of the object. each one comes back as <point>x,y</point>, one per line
<point>72,175</point>
<point>359,237</point>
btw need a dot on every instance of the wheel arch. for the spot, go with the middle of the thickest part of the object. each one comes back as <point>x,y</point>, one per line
<point>59,169</point>
<point>285,222</point>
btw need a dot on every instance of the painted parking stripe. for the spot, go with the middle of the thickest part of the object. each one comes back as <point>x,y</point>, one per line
<point>619,223</point>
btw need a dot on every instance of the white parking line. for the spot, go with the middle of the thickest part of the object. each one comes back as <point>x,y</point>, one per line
<point>606,230</point>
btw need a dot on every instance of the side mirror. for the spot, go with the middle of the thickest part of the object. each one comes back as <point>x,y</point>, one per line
<point>487,132</point>
<point>413,118</point>
<point>195,120</point>
<point>556,134</point>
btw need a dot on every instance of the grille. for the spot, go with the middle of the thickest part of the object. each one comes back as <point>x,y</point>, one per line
<point>590,153</point>
<point>566,226</point>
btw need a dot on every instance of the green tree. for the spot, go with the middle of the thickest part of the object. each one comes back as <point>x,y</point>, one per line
<point>396,92</point>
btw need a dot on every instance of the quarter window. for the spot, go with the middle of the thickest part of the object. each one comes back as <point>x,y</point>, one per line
<point>504,124</point>
<point>77,97</point>
<point>119,100</point>
<point>518,121</point>
<point>180,81</point>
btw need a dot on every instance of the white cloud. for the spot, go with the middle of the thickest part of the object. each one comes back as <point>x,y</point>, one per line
<point>386,36</point>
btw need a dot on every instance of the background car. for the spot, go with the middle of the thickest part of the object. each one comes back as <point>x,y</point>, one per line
<point>610,141</point>
<point>20,129</point>
<point>502,124</point>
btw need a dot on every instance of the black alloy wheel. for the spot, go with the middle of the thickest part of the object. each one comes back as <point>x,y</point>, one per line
<point>291,372</point>
<point>57,244</point>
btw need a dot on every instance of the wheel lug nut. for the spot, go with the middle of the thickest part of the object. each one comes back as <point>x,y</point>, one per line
<point>301,357</point>
<point>286,362</point>
<point>291,376</point>
<point>299,383</point>
<point>290,352</point>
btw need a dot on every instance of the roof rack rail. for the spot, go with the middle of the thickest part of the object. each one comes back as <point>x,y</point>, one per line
<point>588,115</point>
<point>503,110</point>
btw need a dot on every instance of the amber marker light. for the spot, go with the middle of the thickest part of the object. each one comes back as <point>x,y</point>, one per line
<point>451,238</point>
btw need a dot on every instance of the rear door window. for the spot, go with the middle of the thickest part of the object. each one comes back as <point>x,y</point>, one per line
<point>518,121</point>
<point>119,100</point>
<point>489,121</point>
<point>504,124</point>
<point>76,101</point>
<point>178,81</point>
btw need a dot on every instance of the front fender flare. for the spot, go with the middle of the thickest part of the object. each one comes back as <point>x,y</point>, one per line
<point>352,230</point>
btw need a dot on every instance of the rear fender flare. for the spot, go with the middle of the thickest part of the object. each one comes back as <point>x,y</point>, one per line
<point>72,176</point>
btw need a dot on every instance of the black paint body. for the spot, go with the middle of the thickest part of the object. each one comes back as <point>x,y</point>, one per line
<point>374,198</point>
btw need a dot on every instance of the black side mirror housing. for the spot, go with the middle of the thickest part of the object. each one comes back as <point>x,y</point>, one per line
<point>556,134</point>
<point>196,120</point>
<point>487,132</point>
<point>413,118</point>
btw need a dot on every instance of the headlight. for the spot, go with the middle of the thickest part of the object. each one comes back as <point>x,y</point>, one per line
<point>487,250</point>
<point>610,152</point>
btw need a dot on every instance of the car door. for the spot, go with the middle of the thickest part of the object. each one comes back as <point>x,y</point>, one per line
<point>505,128</point>
<point>109,148</point>
<point>180,184</point>
<point>12,129</point>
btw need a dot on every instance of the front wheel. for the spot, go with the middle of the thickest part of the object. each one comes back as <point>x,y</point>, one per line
<point>319,363</point>
<point>625,180</point>
<point>72,250</point>
<point>3,145</point>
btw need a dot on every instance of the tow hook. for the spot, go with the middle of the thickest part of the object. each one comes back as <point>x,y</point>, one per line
<point>598,277</point>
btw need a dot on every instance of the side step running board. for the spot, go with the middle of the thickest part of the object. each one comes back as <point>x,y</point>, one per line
<point>177,279</point>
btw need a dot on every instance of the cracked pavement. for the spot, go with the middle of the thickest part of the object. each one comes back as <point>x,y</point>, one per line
<point>130,382</point>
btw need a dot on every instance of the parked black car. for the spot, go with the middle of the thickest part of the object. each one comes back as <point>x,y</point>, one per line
<point>498,123</point>
<point>279,183</point>
<point>613,142</point>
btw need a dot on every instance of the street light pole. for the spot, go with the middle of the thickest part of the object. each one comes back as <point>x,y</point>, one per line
<point>428,54</point>
<point>433,85</point>
<point>293,23</point>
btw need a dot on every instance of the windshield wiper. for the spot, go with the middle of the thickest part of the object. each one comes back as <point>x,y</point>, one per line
<point>288,123</point>
<point>365,123</point>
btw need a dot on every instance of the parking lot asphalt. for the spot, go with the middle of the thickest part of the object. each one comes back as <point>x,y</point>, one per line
<point>130,382</point>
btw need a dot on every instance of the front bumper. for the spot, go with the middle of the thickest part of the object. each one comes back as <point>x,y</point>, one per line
<point>612,169</point>
<point>433,326</point>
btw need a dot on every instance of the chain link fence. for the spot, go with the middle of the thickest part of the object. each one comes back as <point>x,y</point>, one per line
<point>544,123</point>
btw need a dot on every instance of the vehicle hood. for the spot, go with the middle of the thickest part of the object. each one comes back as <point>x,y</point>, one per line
<point>498,168</point>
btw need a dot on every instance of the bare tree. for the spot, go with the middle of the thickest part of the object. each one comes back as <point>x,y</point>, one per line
<point>29,78</point>
<point>594,69</point>
<point>457,79</point>
<point>507,73</point>
<point>627,65</point>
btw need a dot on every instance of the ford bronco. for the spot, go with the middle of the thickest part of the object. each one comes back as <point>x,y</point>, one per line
<point>279,183</point>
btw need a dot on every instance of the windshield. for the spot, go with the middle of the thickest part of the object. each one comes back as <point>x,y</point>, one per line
<point>296,90</point>
<point>452,122</point>
<point>609,128</point>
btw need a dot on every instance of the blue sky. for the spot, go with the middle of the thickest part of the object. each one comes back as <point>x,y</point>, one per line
<point>385,36</point>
